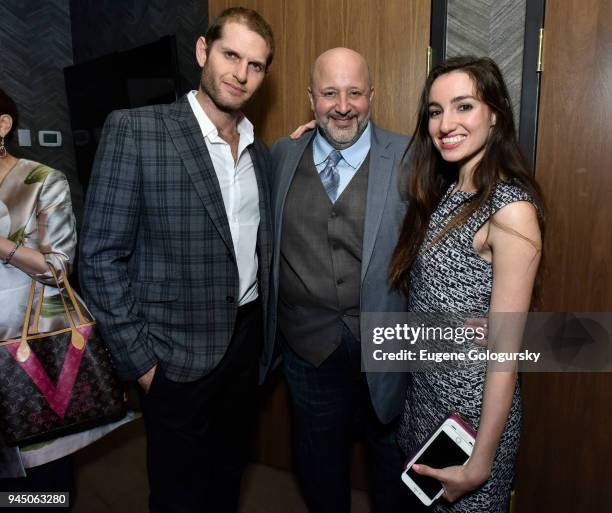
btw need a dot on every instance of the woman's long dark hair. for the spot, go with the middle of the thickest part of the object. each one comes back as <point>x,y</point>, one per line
<point>430,176</point>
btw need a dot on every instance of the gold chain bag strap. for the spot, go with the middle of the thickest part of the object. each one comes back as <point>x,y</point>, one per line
<point>57,383</point>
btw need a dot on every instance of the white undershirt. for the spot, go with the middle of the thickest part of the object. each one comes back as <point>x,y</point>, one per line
<point>240,195</point>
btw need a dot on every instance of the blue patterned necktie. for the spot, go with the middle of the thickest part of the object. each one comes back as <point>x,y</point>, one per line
<point>330,177</point>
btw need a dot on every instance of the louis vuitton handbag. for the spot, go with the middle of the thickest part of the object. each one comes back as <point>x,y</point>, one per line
<point>57,383</point>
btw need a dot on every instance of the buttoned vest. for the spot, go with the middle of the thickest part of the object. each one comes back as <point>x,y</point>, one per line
<point>320,261</point>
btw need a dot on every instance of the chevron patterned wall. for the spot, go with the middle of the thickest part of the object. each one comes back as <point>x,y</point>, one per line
<point>35,46</point>
<point>38,40</point>
<point>490,27</point>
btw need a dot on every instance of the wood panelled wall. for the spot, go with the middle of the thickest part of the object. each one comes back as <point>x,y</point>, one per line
<point>566,449</point>
<point>393,37</point>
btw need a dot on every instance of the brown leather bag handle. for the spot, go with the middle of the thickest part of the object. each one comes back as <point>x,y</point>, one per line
<point>71,295</point>
<point>77,339</point>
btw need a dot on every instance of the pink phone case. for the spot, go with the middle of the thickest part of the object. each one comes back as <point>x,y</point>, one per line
<point>463,422</point>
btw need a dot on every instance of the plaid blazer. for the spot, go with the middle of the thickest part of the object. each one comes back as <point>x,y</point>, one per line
<point>157,262</point>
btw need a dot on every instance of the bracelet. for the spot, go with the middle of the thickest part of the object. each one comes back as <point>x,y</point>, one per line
<point>12,253</point>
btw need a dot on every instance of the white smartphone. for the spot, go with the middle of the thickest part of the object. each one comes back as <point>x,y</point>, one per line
<point>451,444</point>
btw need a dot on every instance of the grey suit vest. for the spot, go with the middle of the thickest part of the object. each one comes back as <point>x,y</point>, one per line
<point>320,261</point>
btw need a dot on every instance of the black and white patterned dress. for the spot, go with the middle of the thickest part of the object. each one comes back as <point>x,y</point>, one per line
<point>451,277</point>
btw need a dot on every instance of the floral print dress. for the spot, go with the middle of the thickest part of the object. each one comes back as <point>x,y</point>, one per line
<point>35,210</point>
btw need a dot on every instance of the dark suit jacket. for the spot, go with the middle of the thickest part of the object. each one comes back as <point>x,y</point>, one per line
<point>385,212</point>
<point>157,262</point>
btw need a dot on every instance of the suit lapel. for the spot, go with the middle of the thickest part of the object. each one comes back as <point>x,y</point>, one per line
<point>285,177</point>
<point>260,168</point>
<point>381,171</point>
<point>260,176</point>
<point>187,137</point>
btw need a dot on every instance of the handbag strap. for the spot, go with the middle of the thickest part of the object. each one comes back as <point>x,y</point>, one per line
<point>24,351</point>
<point>71,294</point>
<point>77,339</point>
<point>28,312</point>
<point>38,311</point>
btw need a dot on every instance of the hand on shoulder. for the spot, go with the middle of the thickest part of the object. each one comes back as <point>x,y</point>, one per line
<point>302,129</point>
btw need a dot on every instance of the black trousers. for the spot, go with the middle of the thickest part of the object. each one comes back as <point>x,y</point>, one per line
<point>198,433</point>
<point>331,408</point>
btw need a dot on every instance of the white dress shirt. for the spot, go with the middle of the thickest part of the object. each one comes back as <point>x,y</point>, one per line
<point>240,195</point>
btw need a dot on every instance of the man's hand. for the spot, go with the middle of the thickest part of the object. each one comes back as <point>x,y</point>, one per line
<point>299,131</point>
<point>146,379</point>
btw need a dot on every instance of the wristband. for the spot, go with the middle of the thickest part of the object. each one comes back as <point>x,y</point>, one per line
<point>12,253</point>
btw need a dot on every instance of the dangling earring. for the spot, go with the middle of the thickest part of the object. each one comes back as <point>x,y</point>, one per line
<point>2,148</point>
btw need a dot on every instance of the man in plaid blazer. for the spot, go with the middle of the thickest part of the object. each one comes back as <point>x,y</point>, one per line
<point>175,260</point>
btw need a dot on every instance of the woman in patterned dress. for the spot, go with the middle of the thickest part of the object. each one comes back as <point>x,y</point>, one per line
<point>37,228</point>
<point>470,245</point>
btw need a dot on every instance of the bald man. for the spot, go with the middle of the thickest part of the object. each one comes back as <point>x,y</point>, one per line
<point>338,212</point>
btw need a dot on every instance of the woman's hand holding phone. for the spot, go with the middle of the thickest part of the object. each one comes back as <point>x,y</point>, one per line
<point>442,466</point>
<point>456,480</point>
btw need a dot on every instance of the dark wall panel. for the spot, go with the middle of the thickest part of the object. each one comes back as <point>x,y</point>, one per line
<point>100,27</point>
